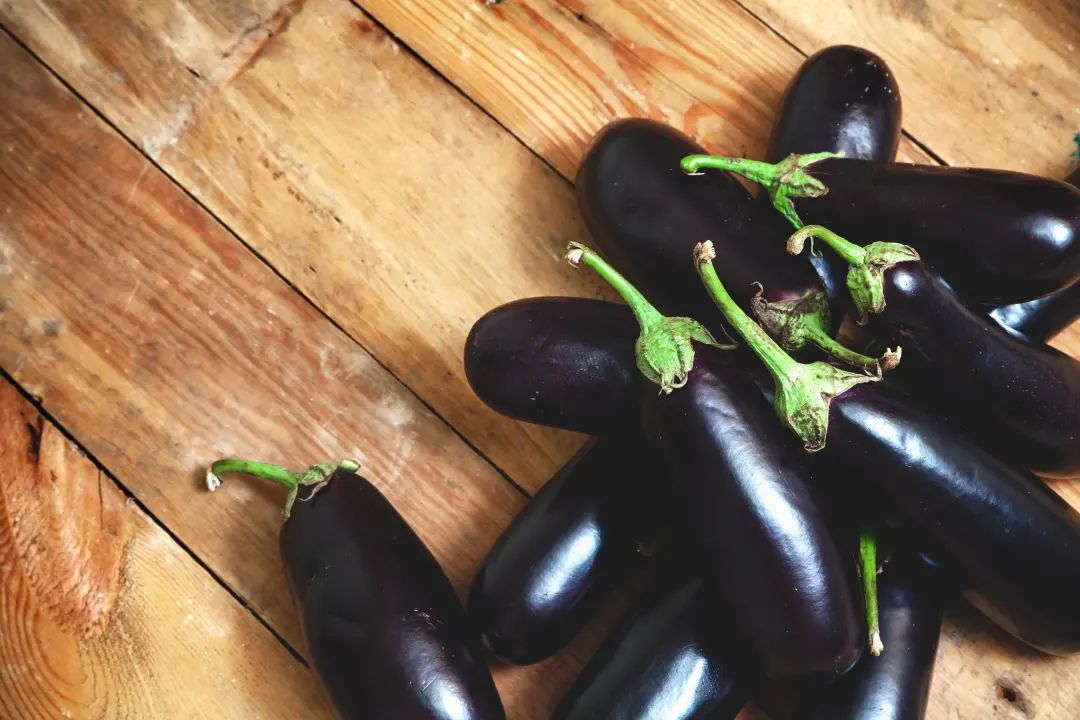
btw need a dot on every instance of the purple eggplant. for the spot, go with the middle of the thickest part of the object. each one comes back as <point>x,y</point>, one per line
<point>646,214</point>
<point>1013,541</point>
<point>742,493</point>
<point>674,657</point>
<point>1020,398</point>
<point>384,629</point>
<point>896,684</point>
<point>578,388</point>
<point>995,236</point>
<point>1041,319</point>
<point>564,553</point>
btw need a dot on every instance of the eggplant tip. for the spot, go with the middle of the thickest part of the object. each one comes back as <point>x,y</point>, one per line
<point>213,482</point>
<point>704,252</point>
<point>573,255</point>
<point>876,646</point>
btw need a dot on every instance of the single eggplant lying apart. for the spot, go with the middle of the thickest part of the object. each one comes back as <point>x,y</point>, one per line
<point>1014,544</point>
<point>673,658</point>
<point>385,631</point>
<point>563,554</point>
<point>996,236</point>
<point>1041,319</point>
<point>896,684</point>
<point>1021,399</point>
<point>647,214</point>
<point>845,100</point>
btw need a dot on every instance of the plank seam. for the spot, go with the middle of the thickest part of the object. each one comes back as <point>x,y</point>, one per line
<point>131,497</point>
<point>292,286</point>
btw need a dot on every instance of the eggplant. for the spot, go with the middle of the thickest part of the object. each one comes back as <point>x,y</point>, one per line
<point>646,215</point>
<point>1011,541</point>
<point>896,684</point>
<point>542,367</point>
<point>1039,320</point>
<point>843,99</point>
<point>385,631</point>
<point>996,236</point>
<point>743,495</point>
<point>563,554</point>
<point>1015,542</point>
<point>1021,399</point>
<point>673,657</point>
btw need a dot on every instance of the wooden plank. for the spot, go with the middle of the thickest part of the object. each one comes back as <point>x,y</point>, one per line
<point>985,83</point>
<point>404,247</point>
<point>102,615</point>
<point>162,343</point>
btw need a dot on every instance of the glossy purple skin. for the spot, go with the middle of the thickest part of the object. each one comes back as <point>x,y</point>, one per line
<point>842,99</point>
<point>1044,318</point>
<point>896,684</point>
<point>1021,399</point>
<point>563,554</point>
<point>538,360</point>
<point>996,236</point>
<point>673,658</point>
<point>646,215</point>
<point>384,629</point>
<point>741,484</point>
<point>1013,542</point>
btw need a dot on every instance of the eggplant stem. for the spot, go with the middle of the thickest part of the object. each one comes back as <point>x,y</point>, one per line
<point>664,350</point>
<point>289,479</point>
<point>868,570</point>
<point>803,391</point>
<point>787,179</point>
<point>866,274</point>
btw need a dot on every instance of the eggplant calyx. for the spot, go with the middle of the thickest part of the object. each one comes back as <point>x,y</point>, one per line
<point>868,572</point>
<point>804,320</point>
<point>803,391</point>
<point>664,350</point>
<point>316,475</point>
<point>866,274</point>
<point>787,179</point>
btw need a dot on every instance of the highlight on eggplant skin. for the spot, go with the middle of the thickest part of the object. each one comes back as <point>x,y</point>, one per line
<point>672,657</point>
<point>896,684</point>
<point>567,549</point>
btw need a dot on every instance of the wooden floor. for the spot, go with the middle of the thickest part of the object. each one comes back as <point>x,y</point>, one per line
<point>264,228</point>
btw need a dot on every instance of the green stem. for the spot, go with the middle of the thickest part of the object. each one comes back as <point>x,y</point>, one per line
<point>803,391</point>
<point>868,264</point>
<point>868,570</point>
<point>663,351</point>
<point>776,360</point>
<point>646,313</point>
<point>787,179</point>
<point>851,253</point>
<point>293,481</point>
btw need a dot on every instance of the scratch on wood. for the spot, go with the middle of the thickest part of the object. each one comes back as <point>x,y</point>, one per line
<point>135,185</point>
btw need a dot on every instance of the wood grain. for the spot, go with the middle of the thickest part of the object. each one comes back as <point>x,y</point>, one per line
<point>985,83</point>
<point>102,615</point>
<point>162,343</point>
<point>384,195</point>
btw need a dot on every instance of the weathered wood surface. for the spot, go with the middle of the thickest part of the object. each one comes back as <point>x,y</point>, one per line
<point>102,615</point>
<point>161,342</point>
<point>371,185</point>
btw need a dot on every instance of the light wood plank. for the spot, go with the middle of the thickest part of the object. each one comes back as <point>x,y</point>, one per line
<point>985,82</point>
<point>102,615</point>
<point>381,192</point>
<point>162,343</point>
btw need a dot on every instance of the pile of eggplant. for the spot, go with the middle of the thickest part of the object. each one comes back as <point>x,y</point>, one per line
<point>810,503</point>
